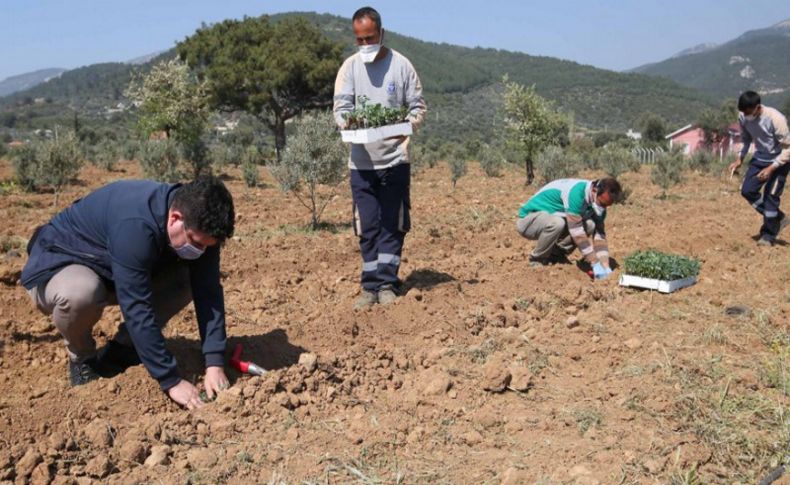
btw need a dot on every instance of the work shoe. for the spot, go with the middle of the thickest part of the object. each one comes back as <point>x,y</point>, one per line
<point>387,295</point>
<point>115,358</point>
<point>82,372</point>
<point>538,262</point>
<point>366,299</point>
<point>765,242</point>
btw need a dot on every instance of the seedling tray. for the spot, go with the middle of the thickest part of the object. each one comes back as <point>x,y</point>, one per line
<point>369,135</point>
<point>662,286</point>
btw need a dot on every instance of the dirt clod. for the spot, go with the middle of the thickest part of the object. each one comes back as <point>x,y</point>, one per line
<point>434,382</point>
<point>99,466</point>
<point>133,451</point>
<point>496,377</point>
<point>160,455</point>
<point>201,458</point>
<point>308,361</point>
<point>99,433</point>
<point>25,466</point>
<point>521,378</point>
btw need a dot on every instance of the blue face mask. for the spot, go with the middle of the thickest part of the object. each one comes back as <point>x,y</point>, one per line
<point>188,251</point>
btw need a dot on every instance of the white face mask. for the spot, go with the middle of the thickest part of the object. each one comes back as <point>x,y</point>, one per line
<point>598,209</point>
<point>369,52</point>
<point>749,117</point>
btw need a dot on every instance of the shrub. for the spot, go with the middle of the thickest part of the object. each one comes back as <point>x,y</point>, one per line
<point>457,163</point>
<point>130,149</point>
<point>473,148</point>
<point>662,266</point>
<point>25,166</point>
<point>555,163</point>
<point>159,160</point>
<point>701,161</point>
<point>616,160</point>
<point>491,161</point>
<point>195,153</point>
<point>668,170</point>
<point>417,157</point>
<point>249,166</point>
<point>59,161</point>
<point>315,156</point>
<point>105,155</point>
<point>586,152</point>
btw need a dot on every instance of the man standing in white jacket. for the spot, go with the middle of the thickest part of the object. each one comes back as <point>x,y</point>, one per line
<point>380,174</point>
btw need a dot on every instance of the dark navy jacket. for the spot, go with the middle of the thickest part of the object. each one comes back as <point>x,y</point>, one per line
<point>119,231</point>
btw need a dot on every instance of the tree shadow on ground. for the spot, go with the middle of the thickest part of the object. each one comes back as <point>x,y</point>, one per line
<point>425,279</point>
<point>271,351</point>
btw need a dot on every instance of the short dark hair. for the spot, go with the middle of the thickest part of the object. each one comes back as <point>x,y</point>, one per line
<point>611,186</point>
<point>207,206</point>
<point>748,100</point>
<point>370,13</point>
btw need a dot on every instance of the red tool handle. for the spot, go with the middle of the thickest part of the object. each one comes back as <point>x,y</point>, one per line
<point>242,366</point>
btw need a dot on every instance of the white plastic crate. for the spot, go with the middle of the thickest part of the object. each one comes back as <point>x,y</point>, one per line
<point>369,135</point>
<point>662,286</point>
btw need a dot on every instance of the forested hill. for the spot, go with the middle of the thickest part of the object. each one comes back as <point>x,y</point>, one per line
<point>757,60</point>
<point>462,86</point>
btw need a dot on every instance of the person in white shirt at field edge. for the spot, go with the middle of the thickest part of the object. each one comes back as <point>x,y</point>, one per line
<point>380,173</point>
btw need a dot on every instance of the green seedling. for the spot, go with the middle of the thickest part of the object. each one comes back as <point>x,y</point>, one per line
<point>661,266</point>
<point>367,115</point>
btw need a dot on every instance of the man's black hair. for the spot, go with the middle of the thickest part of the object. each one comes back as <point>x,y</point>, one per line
<point>610,185</point>
<point>207,206</point>
<point>748,100</point>
<point>370,13</point>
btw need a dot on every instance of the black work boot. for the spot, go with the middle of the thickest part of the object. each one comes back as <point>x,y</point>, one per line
<point>82,372</point>
<point>115,358</point>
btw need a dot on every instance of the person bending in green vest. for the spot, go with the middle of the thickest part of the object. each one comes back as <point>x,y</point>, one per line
<point>566,214</point>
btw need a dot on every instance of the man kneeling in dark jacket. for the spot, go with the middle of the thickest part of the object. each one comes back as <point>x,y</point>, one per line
<point>150,248</point>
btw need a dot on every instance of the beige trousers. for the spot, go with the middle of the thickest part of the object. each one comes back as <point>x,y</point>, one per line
<point>551,232</point>
<point>76,297</point>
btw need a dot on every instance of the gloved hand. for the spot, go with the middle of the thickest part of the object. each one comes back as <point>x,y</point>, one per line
<point>599,272</point>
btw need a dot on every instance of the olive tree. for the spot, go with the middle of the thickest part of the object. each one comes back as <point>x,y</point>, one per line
<point>59,161</point>
<point>171,100</point>
<point>313,164</point>
<point>532,124</point>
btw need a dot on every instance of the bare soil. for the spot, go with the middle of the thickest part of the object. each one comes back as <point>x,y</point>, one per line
<point>485,371</point>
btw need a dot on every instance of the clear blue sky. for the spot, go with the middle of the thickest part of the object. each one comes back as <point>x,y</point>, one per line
<point>613,34</point>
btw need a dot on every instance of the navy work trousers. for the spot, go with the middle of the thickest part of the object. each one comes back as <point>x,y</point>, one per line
<point>381,221</point>
<point>765,196</point>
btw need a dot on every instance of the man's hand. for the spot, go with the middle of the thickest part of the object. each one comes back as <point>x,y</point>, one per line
<point>185,394</point>
<point>735,166</point>
<point>766,173</point>
<point>215,381</point>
